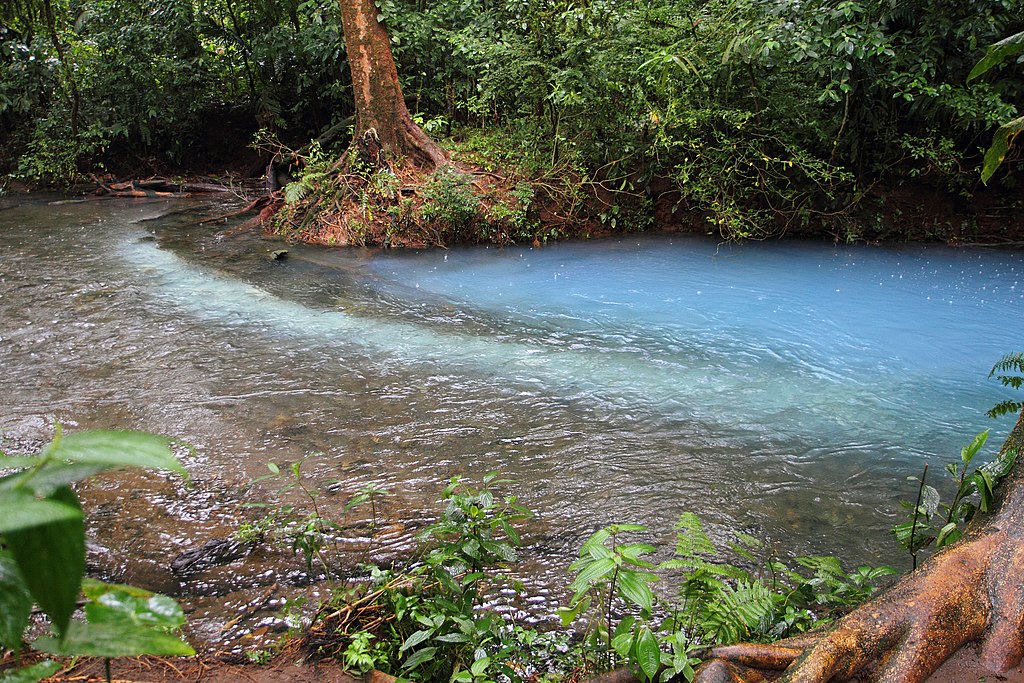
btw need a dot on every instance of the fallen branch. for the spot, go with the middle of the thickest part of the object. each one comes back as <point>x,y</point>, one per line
<point>255,205</point>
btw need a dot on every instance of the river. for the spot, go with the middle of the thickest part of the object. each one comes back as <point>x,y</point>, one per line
<point>786,389</point>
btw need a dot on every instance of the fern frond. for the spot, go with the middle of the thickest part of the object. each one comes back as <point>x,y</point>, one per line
<point>1011,361</point>
<point>691,539</point>
<point>1005,408</point>
<point>736,613</point>
<point>295,192</point>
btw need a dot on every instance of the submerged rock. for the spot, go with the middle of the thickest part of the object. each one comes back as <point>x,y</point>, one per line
<point>215,552</point>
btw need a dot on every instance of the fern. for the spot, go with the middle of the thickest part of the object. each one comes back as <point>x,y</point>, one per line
<point>736,614</point>
<point>1010,363</point>
<point>296,191</point>
<point>691,542</point>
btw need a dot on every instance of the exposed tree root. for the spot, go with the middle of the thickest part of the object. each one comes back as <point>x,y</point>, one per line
<point>972,592</point>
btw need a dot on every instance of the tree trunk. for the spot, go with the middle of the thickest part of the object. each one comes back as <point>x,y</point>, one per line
<point>971,592</point>
<point>380,107</point>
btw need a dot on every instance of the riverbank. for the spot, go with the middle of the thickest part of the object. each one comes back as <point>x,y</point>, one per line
<point>484,197</point>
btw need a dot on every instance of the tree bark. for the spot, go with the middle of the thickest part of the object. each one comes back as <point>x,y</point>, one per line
<point>380,106</point>
<point>972,592</point>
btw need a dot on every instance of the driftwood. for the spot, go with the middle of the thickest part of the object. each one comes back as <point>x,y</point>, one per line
<point>155,187</point>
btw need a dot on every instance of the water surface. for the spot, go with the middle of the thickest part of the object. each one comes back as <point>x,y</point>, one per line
<point>786,389</point>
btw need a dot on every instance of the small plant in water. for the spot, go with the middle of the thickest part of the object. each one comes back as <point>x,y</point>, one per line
<point>435,626</point>
<point>305,528</point>
<point>934,522</point>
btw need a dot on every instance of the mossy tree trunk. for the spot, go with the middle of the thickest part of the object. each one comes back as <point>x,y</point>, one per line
<point>381,113</point>
<point>971,592</point>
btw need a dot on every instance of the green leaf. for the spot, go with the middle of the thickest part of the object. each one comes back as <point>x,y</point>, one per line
<point>51,558</point>
<point>998,53</point>
<point>593,573</point>
<point>634,587</point>
<point>119,449</point>
<point>419,657</point>
<point>54,475</point>
<point>31,674</point>
<point>15,603</point>
<point>948,534</point>
<point>11,462</point>
<point>968,452</point>
<point>633,551</point>
<point>480,666</point>
<point>93,589</point>
<point>1001,142</point>
<point>648,654</point>
<point>622,641</point>
<point>114,639</point>
<point>569,614</point>
<point>415,639</point>
<point>20,510</point>
<point>1001,466</point>
<point>118,605</point>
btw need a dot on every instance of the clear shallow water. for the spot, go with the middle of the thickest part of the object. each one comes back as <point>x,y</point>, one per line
<point>782,388</point>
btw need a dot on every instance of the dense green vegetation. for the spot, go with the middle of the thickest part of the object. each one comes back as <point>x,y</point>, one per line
<point>757,115</point>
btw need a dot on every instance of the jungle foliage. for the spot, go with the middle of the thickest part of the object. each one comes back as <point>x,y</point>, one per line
<point>763,115</point>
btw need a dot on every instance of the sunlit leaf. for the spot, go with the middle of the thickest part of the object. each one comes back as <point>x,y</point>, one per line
<point>648,654</point>
<point>119,449</point>
<point>419,657</point>
<point>968,452</point>
<point>569,614</point>
<point>415,639</point>
<point>998,53</point>
<point>54,475</point>
<point>593,572</point>
<point>948,534</point>
<point>635,589</point>
<point>1001,142</point>
<point>12,462</point>
<point>20,510</point>
<point>120,603</point>
<point>31,674</point>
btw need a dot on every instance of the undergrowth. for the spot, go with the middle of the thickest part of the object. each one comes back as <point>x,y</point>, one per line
<point>434,619</point>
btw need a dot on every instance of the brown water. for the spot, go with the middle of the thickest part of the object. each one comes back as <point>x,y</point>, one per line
<point>131,315</point>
